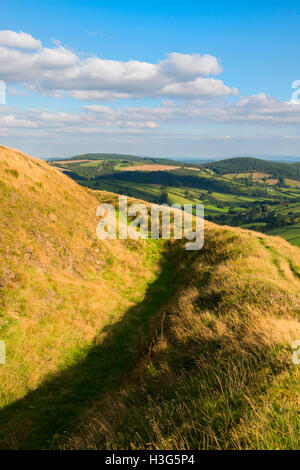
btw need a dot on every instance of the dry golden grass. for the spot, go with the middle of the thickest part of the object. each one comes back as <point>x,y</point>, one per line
<point>68,162</point>
<point>257,175</point>
<point>220,375</point>
<point>153,167</point>
<point>59,285</point>
<point>292,183</point>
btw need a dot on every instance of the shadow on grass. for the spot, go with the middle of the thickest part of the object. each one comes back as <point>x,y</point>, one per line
<point>54,407</point>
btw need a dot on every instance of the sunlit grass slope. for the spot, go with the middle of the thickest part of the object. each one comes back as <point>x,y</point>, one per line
<point>122,344</point>
<point>218,373</point>
<point>59,285</point>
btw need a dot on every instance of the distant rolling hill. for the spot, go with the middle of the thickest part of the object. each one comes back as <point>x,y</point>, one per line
<point>118,156</point>
<point>240,164</point>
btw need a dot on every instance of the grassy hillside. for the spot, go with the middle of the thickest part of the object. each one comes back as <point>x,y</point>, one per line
<point>218,372</point>
<point>122,344</point>
<point>60,287</point>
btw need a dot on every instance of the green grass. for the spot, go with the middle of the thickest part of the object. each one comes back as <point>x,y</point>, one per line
<point>95,163</point>
<point>91,370</point>
<point>289,233</point>
<point>219,203</point>
<point>293,183</point>
<point>225,207</point>
<point>218,374</point>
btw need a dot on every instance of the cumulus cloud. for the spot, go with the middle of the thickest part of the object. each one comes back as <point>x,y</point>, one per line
<point>94,119</point>
<point>191,65</point>
<point>34,68</point>
<point>258,109</point>
<point>11,121</point>
<point>252,110</point>
<point>187,84</point>
<point>98,120</point>
<point>59,70</point>
<point>200,87</point>
<point>19,40</point>
<point>94,95</point>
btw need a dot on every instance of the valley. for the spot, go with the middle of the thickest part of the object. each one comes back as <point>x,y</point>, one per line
<point>245,192</point>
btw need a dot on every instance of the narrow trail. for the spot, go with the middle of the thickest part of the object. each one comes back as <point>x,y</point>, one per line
<point>54,407</point>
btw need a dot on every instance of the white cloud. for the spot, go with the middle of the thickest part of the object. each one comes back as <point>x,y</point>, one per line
<point>200,87</point>
<point>98,119</point>
<point>191,65</point>
<point>59,70</point>
<point>19,40</point>
<point>11,121</point>
<point>37,67</point>
<point>94,95</point>
<point>193,98</point>
<point>52,59</point>
<point>259,109</point>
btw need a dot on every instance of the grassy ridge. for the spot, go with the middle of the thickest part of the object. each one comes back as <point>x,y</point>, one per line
<point>60,286</point>
<point>218,373</point>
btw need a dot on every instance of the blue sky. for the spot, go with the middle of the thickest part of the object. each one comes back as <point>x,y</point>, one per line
<point>237,101</point>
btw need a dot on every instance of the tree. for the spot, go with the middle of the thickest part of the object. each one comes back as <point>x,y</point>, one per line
<point>163,197</point>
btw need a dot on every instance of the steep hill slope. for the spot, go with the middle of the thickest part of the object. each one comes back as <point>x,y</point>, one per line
<point>60,286</point>
<point>123,344</point>
<point>218,374</point>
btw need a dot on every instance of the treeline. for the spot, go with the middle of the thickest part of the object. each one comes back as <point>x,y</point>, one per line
<point>245,164</point>
<point>269,215</point>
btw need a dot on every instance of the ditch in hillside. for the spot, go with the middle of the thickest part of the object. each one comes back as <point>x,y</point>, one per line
<point>52,409</point>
